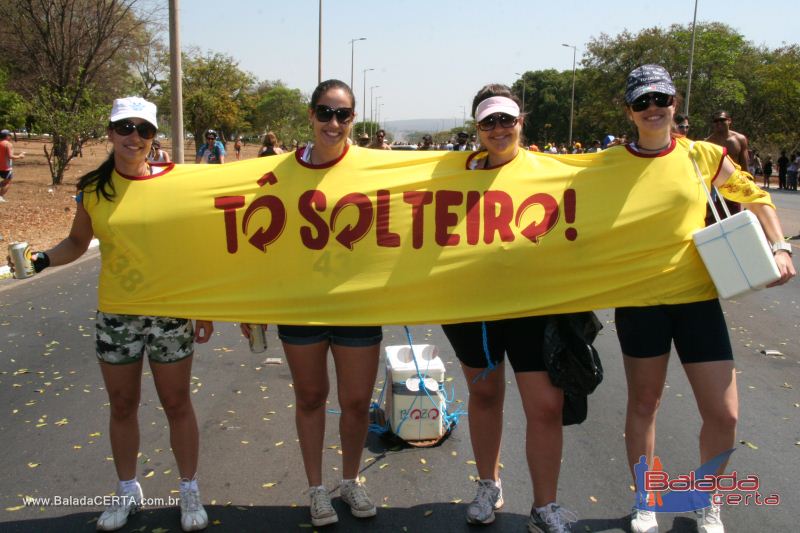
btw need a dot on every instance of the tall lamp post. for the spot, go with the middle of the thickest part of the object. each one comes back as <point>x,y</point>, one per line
<point>353,56</point>
<point>572,100</point>
<point>377,114</point>
<point>319,47</point>
<point>463,116</point>
<point>691,63</point>
<point>364,96</point>
<point>176,82</point>
<point>371,107</point>
<point>523,89</point>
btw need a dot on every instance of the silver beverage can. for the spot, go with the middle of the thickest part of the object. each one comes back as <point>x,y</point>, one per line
<point>258,339</point>
<point>20,254</point>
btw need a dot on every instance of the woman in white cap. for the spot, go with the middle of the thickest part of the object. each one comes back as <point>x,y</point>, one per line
<point>122,340</point>
<point>499,119</point>
<point>697,328</point>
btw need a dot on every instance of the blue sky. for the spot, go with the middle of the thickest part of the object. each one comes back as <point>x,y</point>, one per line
<point>430,57</point>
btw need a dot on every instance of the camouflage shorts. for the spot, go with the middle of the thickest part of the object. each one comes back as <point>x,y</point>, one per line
<point>123,339</point>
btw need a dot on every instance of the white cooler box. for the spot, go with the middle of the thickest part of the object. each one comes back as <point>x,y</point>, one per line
<point>737,255</point>
<point>412,413</point>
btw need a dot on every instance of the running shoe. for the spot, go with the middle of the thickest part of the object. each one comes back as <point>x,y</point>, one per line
<point>322,512</point>
<point>488,498</point>
<point>554,519</point>
<point>116,515</point>
<point>193,515</point>
<point>643,521</point>
<point>355,495</point>
<point>708,520</point>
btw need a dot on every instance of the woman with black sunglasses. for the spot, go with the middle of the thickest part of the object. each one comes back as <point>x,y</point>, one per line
<point>499,119</point>
<point>123,340</point>
<point>355,349</point>
<point>697,328</point>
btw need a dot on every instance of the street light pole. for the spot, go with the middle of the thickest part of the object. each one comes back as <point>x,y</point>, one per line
<point>691,63</point>
<point>319,47</point>
<point>463,116</point>
<point>523,89</point>
<point>377,113</point>
<point>364,96</point>
<point>352,57</point>
<point>176,82</point>
<point>572,100</point>
<point>371,108</point>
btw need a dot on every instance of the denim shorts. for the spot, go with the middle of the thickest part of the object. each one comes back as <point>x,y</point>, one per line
<point>123,339</point>
<point>354,336</point>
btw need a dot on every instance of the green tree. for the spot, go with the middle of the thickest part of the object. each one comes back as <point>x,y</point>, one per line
<point>215,93</point>
<point>283,111</point>
<point>67,55</point>
<point>13,109</point>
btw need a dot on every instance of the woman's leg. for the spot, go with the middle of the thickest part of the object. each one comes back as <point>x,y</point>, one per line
<point>356,368</point>
<point>485,408</point>
<point>714,386</point>
<point>124,384</point>
<point>308,364</point>
<point>172,381</point>
<point>542,403</point>
<point>646,377</point>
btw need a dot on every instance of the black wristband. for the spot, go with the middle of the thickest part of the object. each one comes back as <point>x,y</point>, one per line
<point>41,262</point>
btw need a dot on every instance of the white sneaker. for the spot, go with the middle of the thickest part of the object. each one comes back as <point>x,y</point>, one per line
<point>322,512</point>
<point>643,521</point>
<point>488,498</point>
<point>193,515</point>
<point>2,200</point>
<point>116,515</point>
<point>355,495</point>
<point>708,520</point>
<point>554,519</point>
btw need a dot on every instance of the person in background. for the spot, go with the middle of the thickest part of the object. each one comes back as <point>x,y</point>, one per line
<point>270,146</point>
<point>7,158</point>
<point>697,328</point>
<point>123,341</point>
<point>497,114</point>
<point>157,154</point>
<point>379,143</point>
<point>461,142</point>
<point>767,171</point>
<point>355,349</point>
<point>237,147</point>
<point>783,168</point>
<point>681,125</point>
<point>426,144</point>
<point>363,140</point>
<point>212,151</point>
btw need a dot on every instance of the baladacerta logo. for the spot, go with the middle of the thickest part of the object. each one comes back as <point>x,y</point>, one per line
<point>657,491</point>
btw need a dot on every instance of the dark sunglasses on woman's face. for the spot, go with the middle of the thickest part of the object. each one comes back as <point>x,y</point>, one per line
<point>490,122</point>
<point>125,127</point>
<point>643,102</point>
<point>683,126</point>
<point>325,113</point>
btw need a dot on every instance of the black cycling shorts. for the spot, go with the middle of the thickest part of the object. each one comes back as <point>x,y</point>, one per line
<point>698,330</point>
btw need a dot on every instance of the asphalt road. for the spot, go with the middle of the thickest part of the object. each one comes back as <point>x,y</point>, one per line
<point>53,423</point>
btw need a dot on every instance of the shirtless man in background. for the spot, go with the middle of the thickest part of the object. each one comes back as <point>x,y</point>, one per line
<point>735,142</point>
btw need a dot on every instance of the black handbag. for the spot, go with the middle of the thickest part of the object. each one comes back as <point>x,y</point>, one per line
<point>572,361</point>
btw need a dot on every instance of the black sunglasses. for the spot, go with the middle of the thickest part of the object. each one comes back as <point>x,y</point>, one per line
<point>125,127</point>
<point>683,126</point>
<point>643,102</point>
<point>325,113</point>
<point>490,122</point>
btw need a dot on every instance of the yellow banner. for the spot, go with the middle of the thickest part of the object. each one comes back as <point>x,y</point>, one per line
<point>404,237</point>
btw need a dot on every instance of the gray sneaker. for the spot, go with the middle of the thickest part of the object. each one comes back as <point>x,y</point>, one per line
<point>193,515</point>
<point>116,515</point>
<point>643,521</point>
<point>355,495</point>
<point>554,519</point>
<point>709,521</point>
<point>322,512</point>
<point>488,498</point>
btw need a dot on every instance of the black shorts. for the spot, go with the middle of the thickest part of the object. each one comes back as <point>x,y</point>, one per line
<point>354,336</point>
<point>520,338</point>
<point>698,330</point>
<point>6,175</point>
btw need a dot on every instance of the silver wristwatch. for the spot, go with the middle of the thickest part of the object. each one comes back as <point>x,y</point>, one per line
<point>781,246</point>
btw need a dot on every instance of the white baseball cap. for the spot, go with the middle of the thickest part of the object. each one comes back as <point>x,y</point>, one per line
<point>133,107</point>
